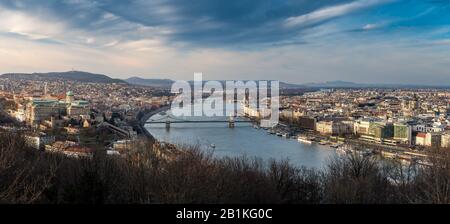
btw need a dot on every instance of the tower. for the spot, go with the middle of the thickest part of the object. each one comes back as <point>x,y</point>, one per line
<point>52,122</point>
<point>46,89</point>
<point>70,97</point>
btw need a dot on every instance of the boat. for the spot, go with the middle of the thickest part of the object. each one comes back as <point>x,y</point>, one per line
<point>314,139</point>
<point>304,140</point>
<point>342,150</point>
<point>335,146</point>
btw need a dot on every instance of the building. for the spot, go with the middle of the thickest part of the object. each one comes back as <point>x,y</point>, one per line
<point>378,132</point>
<point>307,122</point>
<point>19,114</point>
<point>70,97</point>
<point>54,122</point>
<point>324,127</point>
<point>38,140</point>
<point>420,139</point>
<point>403,133</point>
<point>433,140</point>
<point>72,130</point>
<point>290,114</point>
<point>410,104</point>
<point>70,149</point>
<point>287,113</point>
<point>381,130</point>
<point>427,128</point>
<point>428,139</point>
<point>445,140</point>
<point>39,110</point>
<point>251,111</point>
<point>334,127</point>
<point>78,108</point>
<point>361,127</point>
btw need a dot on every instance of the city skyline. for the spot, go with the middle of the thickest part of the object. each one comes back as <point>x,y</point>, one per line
<point>362,41</point>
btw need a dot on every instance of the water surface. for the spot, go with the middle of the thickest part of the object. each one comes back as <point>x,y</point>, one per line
<point>244,139</point>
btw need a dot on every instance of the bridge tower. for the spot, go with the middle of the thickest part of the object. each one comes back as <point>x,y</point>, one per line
<point>231,123</point>
<point>167,124</point>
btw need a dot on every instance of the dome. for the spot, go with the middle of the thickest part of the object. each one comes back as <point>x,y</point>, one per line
<point>70,93</point>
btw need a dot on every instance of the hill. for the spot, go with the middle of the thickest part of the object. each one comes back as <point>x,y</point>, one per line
<point>167,83</point>
<point>162,83</point>
<point>345,84</point>
<point>336,84</point>
<point>70,76</point>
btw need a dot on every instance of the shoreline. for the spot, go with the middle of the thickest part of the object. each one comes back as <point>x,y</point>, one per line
<point>380,149</point>
<point>147,116</point>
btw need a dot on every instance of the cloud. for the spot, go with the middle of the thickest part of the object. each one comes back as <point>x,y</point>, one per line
<point>330,12</point>
<point>370,26</point>
<point>231,23</point>
<point>293,40</point>
<point>25,25</point>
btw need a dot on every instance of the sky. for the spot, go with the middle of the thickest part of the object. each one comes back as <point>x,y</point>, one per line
<point>298,41</point>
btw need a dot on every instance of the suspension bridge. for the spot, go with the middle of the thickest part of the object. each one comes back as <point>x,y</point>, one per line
<point>168,120</point>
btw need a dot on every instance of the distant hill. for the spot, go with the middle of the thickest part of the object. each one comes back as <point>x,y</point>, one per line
<point>335,84</point>
<point>70,76</point>
<point>285,85</point>
<point>162,83</point>
<point>345,84</point>
<point>167,83</point>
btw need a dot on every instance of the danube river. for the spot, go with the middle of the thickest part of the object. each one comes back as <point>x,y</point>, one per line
<point>244,139</point>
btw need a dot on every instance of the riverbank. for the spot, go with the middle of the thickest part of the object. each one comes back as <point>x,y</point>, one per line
<point>147,116</point>
<point>226,143</point>
<point>397,152</point>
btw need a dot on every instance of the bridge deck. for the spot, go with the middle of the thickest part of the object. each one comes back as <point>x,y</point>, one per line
<point>174,122</point>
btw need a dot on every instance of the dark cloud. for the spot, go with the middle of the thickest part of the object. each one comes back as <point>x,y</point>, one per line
<point>205,22</point>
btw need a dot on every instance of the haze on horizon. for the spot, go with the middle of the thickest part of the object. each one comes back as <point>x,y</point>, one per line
<point>364,41</point>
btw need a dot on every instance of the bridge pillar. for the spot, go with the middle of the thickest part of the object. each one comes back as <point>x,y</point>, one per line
<point>167,124</point>
<point>231,123</point>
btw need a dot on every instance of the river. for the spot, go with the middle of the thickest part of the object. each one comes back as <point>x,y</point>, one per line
<point>244,139</point>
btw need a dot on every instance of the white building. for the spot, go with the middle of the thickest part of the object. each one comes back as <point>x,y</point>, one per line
<point>38,141</point>
<point>445,140</point>
<point>427,128</point>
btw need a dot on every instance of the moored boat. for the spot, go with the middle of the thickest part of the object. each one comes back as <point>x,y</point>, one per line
<point>304,140</point>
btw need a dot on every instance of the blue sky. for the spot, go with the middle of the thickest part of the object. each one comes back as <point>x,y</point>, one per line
<point>368,41</point>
